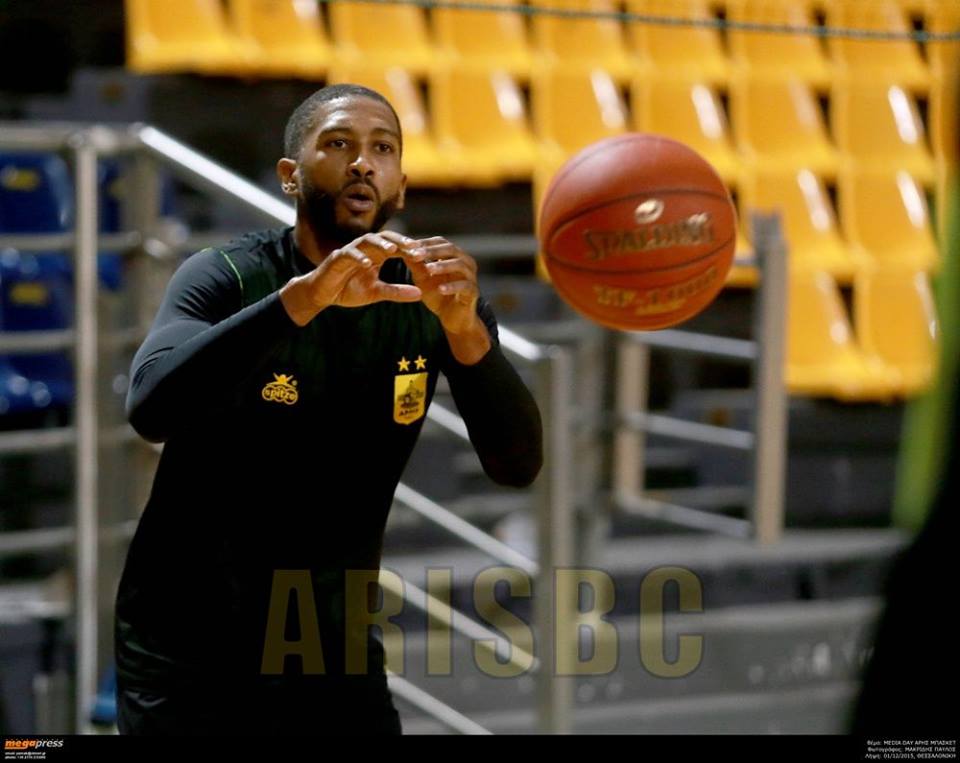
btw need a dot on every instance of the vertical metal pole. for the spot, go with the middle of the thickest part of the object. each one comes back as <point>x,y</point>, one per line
<point>769,464</point>
<point>633,372</point>
<point>592,514</point>
<point>148,279</point>
<point>554,534</point>
<point>86,455</point>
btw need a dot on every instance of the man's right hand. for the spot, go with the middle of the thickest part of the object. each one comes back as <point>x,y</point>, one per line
<point>348,277</point>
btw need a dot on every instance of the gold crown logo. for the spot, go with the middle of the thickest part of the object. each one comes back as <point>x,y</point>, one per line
<point>282,390</point>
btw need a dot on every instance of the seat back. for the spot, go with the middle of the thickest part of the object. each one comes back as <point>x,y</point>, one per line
<point>182,35</point>
<point>886,214</point>
<point>592,96</point>
<point>689,50</point>
<point>778,121</point>
<point>822,356</point>
<point>381,34</point>
<point>586,42</point>
<point>877,123</point>
<point>810,224</point>
<point>484,38</point>
<point>800,54</point>
<point>896,322</point>
<point>688,110</point>
<point>868,58</point>
<point>36,193</point>
<point>288,35</point>
<point>481,117</point>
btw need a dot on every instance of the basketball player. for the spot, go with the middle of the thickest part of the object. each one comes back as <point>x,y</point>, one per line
<point>288,374</point>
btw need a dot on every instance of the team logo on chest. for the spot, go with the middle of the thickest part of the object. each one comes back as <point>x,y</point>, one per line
<point>410,390</point>
<point>283,389</point>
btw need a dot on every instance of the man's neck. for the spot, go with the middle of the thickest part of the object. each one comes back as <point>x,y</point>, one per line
<point>310,246</point>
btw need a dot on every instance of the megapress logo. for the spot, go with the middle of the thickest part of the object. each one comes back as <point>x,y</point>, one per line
<point>29,748</point>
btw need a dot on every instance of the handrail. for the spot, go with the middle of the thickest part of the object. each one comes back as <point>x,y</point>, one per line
<point>50,243</point>
<point>464,530</point>
<point>459,622</point>
<point>433,706</point>
<point>198,169</point>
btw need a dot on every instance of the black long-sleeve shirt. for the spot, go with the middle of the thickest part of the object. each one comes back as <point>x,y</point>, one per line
<point>283,448</point>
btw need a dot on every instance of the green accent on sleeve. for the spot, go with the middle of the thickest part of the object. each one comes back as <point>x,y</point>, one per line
<point>234,268</point>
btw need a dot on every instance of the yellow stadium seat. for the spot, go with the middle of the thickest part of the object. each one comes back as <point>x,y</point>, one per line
<point>796,55</point>
<point>915,7</point>
<point>422,162</point>
<point>695,51</point>
<point>809,223</point>
<point>480,122</point>
<point>897,61</point>
<point>944,55</point>
<point>381,35</point>
<point>822,357</point>
<point>690,111</point>
<point>778,122</point>
<point>557,93</point>
<point>287,35</point>
<point>877,124</point>
<point>488,40</point>
<point>944,117</point>
<point>885,217</point>
<point>181,36</point>
<point>585,42</point>
<point>896,324</point>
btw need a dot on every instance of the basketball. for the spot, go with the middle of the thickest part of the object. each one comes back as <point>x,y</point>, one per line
<point>638,232</point>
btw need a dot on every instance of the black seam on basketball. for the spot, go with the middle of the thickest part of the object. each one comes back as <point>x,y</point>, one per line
<point>663,191</point>
<point>601,272</point>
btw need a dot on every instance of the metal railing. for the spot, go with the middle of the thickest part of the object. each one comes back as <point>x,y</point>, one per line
<point>552,366</point>
<point>765,442</point>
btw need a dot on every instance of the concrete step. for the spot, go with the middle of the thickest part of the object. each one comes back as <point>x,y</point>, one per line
<point>809,710</point>
<point>806,565</point>
<point>741,650</point>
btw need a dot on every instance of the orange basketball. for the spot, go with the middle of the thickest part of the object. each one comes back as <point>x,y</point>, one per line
<point>637,232</point>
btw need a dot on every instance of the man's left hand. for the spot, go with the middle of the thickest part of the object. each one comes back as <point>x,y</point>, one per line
<point>447,277</point>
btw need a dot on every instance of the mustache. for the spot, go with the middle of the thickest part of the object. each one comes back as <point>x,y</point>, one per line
<point>369,186</point>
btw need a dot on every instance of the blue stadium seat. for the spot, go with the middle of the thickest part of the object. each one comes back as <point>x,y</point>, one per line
<point>104,710</point>
<point>36,294</point>
<point>36,196</point>
<point>36,193</point>
<point>36,289</point>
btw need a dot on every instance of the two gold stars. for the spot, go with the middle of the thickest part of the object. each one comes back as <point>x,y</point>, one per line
<point>420,361</point>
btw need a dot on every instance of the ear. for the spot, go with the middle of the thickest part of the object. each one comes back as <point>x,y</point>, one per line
<point>402,194</point>
<point>287,172</point>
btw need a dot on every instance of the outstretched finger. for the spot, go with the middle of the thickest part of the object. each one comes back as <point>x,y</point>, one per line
<point>377,247</point>
<point>408,247</point>
<point>349,258</point>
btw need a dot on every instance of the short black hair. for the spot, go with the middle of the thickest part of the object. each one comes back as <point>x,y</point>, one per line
<point>302,121</point>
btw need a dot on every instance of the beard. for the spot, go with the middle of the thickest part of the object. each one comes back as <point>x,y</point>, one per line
<point>321,215</point>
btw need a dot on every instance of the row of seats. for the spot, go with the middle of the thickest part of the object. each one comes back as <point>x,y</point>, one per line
<point>289,38</point>
<point>888,350</point>
<point>883,220</point>
<point>475,128</point>
<point>36,288</point>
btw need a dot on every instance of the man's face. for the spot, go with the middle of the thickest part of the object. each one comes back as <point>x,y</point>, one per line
<point>350,182</point>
